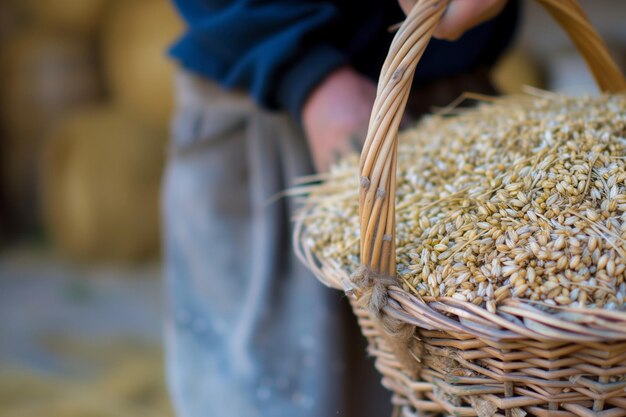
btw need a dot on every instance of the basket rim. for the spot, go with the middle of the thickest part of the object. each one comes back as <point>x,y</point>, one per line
<point>515,319</point>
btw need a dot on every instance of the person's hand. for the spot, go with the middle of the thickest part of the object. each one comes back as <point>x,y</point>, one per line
<point>461,16</point>
<point>336,115</point>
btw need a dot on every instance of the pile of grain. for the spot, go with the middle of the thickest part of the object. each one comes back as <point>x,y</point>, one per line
<point>524,198</point>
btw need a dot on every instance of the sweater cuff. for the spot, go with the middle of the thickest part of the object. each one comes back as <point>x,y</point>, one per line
<point>301,78</point>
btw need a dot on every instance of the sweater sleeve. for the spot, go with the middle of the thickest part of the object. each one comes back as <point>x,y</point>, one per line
<point>276,50</point>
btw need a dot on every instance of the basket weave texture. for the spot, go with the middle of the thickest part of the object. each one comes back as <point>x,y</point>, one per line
<point>447,356</point>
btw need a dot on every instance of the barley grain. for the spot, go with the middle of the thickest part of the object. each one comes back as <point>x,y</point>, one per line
<point>525,199</point>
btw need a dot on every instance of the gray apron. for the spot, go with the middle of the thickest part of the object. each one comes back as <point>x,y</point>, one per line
<point>249,331</point>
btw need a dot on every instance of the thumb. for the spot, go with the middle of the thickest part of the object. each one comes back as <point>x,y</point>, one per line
<point>407,5</point>
<point>462,15</point>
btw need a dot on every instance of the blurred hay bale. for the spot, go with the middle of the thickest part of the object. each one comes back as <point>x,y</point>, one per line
<point>8,17</point>
<point>72,16</point>
<point>102,173</point>
<point>136,36</point>
<point>516,69</point>
<point>43,75</point>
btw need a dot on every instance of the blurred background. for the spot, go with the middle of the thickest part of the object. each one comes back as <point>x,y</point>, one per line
<point>85,101</point>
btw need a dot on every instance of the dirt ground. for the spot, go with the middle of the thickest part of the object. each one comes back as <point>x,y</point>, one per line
<point>78,340</point>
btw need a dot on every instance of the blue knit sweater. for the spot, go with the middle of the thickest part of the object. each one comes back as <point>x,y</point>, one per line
<point>278,50</point>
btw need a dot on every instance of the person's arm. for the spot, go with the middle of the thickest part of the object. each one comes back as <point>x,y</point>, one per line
<point>275,50</point>
<point>336,114</point>
<point>283,53</point>
<point>286,55</point>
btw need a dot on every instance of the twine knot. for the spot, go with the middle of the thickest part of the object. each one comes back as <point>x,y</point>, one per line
<point>398,334</point>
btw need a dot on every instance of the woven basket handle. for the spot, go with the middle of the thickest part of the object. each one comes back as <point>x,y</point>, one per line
<point>378,158</point>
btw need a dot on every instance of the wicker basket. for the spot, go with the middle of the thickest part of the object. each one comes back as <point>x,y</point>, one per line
<point>446,356</point>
